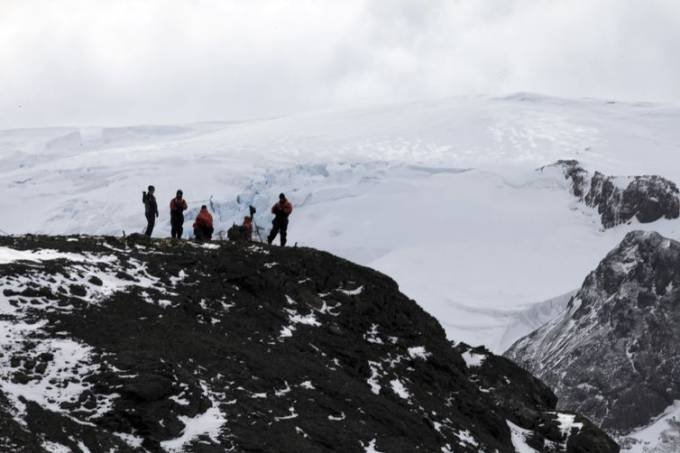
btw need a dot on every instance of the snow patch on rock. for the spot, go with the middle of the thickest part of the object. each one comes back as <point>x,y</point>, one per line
<point>473,359</point>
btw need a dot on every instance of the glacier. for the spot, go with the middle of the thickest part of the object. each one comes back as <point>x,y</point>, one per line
<point>442,195</point>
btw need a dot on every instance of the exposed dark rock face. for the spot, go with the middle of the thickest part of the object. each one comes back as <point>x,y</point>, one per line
<point>620,199</point>
<point>137,345</point>
<point>614,355</point>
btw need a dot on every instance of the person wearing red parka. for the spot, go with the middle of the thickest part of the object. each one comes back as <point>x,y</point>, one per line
<point>203,225</point>
<point>281,211</point>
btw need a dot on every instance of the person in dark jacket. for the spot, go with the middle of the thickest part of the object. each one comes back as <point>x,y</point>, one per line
<point>203,225</point>
<point>177,207</point>
<point>281,211</point>
<point>150,209</point>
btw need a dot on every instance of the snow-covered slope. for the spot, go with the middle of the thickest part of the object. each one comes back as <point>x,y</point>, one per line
<point>660,436</point>
<point>441,195</point>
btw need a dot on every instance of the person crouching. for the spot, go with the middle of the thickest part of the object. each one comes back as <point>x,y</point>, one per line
<point>247,228</point>
<point>203,225</point>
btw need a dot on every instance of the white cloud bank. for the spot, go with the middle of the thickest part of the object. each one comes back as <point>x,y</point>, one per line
<point>140,61</point>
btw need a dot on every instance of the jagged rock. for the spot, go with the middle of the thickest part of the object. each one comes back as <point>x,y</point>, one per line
<point>620,199</point>
<point>148,387</point>
<point>171,346</point>
<point>614,355</point>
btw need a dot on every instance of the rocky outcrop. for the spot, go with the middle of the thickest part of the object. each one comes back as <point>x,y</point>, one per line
<point>133,345</point>
<point>621,199</point>
<point>614,355</point>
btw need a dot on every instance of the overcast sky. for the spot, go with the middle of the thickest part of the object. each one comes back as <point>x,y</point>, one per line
<point>114,62</point>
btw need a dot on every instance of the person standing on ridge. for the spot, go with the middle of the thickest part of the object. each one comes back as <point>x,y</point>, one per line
<point>150,209</point>
<point>177,207</point>
<point>203,226</point>
<point>281,211</point>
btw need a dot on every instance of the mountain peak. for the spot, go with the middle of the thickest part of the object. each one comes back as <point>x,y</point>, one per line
<point>614,354</point>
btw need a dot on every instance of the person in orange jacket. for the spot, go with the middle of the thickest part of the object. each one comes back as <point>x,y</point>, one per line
<point>247,228</point>
<point>203,225</point>
<point>281,211</point>
<point>177,207</point>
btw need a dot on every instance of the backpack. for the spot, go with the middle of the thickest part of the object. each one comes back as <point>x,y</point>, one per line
<point>236,233</point>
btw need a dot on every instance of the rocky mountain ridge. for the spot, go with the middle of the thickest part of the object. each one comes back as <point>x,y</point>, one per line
<point>134,345</point>
<point>618,200</point>
<point>614,354</point>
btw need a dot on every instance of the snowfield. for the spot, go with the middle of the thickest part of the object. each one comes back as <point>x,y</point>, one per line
<point>444,196</point>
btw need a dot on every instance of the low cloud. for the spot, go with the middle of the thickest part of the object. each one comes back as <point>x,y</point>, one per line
<point>90,62</point>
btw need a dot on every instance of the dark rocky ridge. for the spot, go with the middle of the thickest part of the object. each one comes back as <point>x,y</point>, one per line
<point>130,345</point>
<point>646,198</point>
<point>614,355</point>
